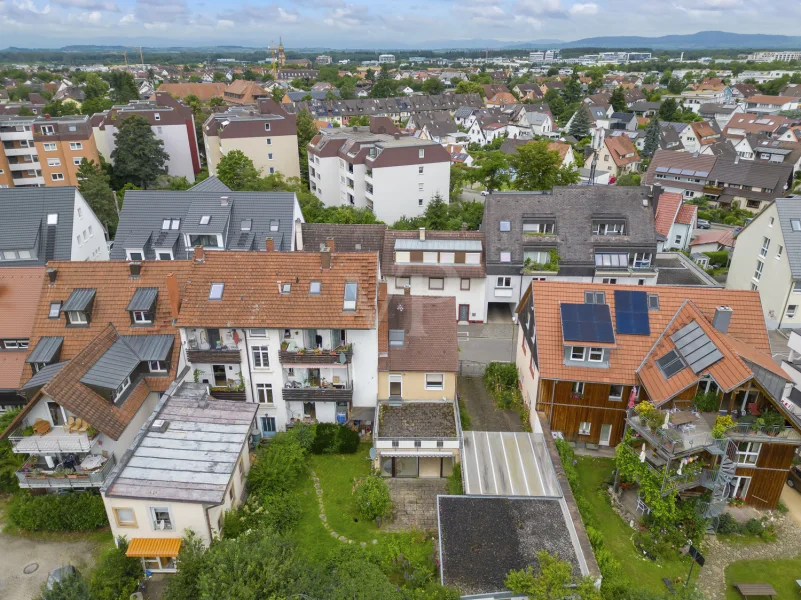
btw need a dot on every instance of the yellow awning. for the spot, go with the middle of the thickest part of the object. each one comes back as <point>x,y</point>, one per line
<point>145,547</point>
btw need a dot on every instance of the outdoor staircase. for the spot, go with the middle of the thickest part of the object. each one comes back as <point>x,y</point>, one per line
<point>719,481</point>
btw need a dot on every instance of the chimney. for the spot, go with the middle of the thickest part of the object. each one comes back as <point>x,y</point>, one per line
<point>173,295</point>
<point>136,269</point>
<point>223,200</point>
<point>325,259</point>
<point>199,254</point>
<point>464,226</point>
<point>396,135</point>
<point>269,245</point>
<point>47,117</point>
<point>383,316</point>
<point>329,243</point>
<point>51,275</point>
<point>722,318</point>
<point>737,159</point>
<point>407,290</point>
<point>656,192</point>
<point>422,234</point>
<point>298,235</point>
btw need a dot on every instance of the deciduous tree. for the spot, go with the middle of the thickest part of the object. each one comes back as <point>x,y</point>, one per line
<point>237,171</point>
<point>306,131</point>
<point>93,183</point>
<point>537,167</point>
<point>492,170</point>
<point>668,108</point>
<point>618,100</point>
<point>138,156</point>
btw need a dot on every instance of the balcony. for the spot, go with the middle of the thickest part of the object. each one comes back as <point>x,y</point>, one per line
<point>312,393</point>
<point>747,429</point>
<point>217,355</point>
<point>32,477</point>
<point>24,166</point>
<point>674,440</point>
<point>56,441</point>
<point>20,151</point>
<point>28,181</point>
<point>305,356</point>
<point>14,136</point>
<point>368,174</point>
<point>713,190</point>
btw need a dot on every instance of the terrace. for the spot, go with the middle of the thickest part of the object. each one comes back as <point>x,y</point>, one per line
<point>58,439</point>
<point>35,475</point>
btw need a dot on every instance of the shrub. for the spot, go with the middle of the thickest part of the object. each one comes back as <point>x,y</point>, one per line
<point>116,575</point>
<point>279,512</point>
<point>722,423</point>
<point>707,402</point>
<point>754,527</point>
<point>372,497</point>
<point>331,438</point>
<point>72,587</point>
<point>80,511</point>
<point>499,375</point>
<point>727,525</point>
<point>304,434</point>
<point>782,507</point>
<point>455,481</point>
<point>464,418</point>
<point>278,465</point>
<point>718,258</point>
<point>10,463</point>
<point>183,584</point>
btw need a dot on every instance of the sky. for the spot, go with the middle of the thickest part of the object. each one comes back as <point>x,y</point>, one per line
<point>377,23</point>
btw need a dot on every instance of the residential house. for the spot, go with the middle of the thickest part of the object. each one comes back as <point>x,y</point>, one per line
<point>681,172</point>
<point>713,240</point>
<point>501,99</point>
<point>171,121</point>
<point>623,121</point>
<point>633,96</point>
<point>565,150</point>
<point>664,347</point>
<point>770,105</point>
<point>435,126</point>
<point>367,166</point>
<point>417,428</point>
<point>674,222</point>
<point>297,96</point>
<point>98,359</point>
<point>314,237</point>
<point>290,74</point>
<point>20,288</point>
<point>266,134</point>
<point>592,234</point>
<point>45,224</point>
<point>529,91</point>
<point>243,92</point>
<point>490,89</point>
<point>752,184</point>
<point>294,332</point>
<point>791,134</point>
<point>598,114</point>
<point>700,134</point>
<point>642,108</point>
<point>617,156</point>
<point>742,124</point>
<point>70,93</point>
<point>720,113</point>
<point>742,91</point>
<point>204,91</point>
<point>184,470</point>
<point>705,94</point>
<point>753,147</point>
<point>169,225</point>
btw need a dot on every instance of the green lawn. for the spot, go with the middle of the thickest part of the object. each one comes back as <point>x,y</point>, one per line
<point>781,574</point>
<point>617,534</point>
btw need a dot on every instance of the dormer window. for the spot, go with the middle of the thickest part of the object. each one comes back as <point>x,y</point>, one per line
<point>77,317</point>
<point>142,317</point>
<point>79,305</point>
<point>611,228</point>
<point>205,219</point>
<point>126,383</point>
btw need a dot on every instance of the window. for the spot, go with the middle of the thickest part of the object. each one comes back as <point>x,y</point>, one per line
<point>506,257</point>
<point>795,224</point>
<point>274,225</point>
<point>435,381</point>
<point>642,260</point>
<point>264,393</point>
<point>584,428</point>
<point>596,355</point>
<point>447,258</point>
<point>57,176</point>
<point>24,254</point>
<point>55,310</point>
<point>503,282</point>
<point>464,284</point>
<point>763,252</point>
<point>205,219</point>
<point>506,226</point>
<point>420,187</point>
<point>266,127</point>
<point>15,344</point>
<point>670,364</point>
<point>421,153</point>
<point>314,287</point>
<point>216,291</point>
<point>135,255</point>
<point>207,241</point>
<point>165,223</point>
<point>472,258</point>
<point>420,170</point>
<point>594,298</point>
<point>77,161</point>
<point>748,453</point>
<point>261,358</point>
<point>577,353</point>
<point>53,162</point>
<point>539,227</point>
<point>49,147</point>
<point>157,366</point>
<point>160,518</point>
<point>12,254</point>
<point>241,468</point>
<point>48,130</point>
<point>259,333</point>
<point>797,287</point>
<point>142,317</point>
<point>396,338</point>
<point>231,493</point>
<point>779,251</point>
<point>608,228</point>
<point>758,271</point>
<point>246,225</point>
<point>612,260</point>
<point>269,156</point>
<point>91,233</point>
<point>122,387</point>
<point>125,517</point>
<point>653,302</point>
<point>770,223</point>
<point>52,219</point>
<point>76,146</point>
<point>430,257</point>
<point>436,283</point>
<point>285,288</point>
<point>615,392</point>
<point>419,202</point>
<point>677,241</point>
<point>77,317</point>
<point>791,310</point>
<point>164,255</point>
<point>396,385</point>
<point>351,290</point>
<point>754,287</point>
<point>403,282</point>
<point>175,224</point>
<point>269,141</point>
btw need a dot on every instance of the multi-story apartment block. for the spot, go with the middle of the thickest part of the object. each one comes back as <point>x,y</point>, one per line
<point>386,58</point>
<point>44,151</point>
<point>594,358</point>
<point>590,234</point>
<point>323,59</point>
<point>266,134</point>
<point>171,121</point>
<point>784,56</point>
<point>42,224</point>
<point>102,350</point>
<point>391,174</point>
<point>295,333</point>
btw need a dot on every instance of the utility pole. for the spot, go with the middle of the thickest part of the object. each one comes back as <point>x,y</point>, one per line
<point>597,143</point>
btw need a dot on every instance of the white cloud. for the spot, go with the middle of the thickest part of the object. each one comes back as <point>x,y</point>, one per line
<point>30,7</point>
<point>225,23</point>
<point>127,19</point>
<point>287,17</point>
<point>542,8</point>
<point>94,17</point>
<point>92,5</point>
<point>584,8</point>
<point>348,16</point>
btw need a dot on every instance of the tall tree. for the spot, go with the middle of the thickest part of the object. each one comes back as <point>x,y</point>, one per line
<point>139,156</point>
<point>306,131</point>
<point>433,85</point>
<point>668,108</point>
<point>278,93</point>
<point>580,127</point>
<point>93,183</point>
<point>492,170</point>
<point>572,92</point>
<point>653,134</point>
<point>675,85</point>
<point>469,87</point>
<point>237,171</point>
<point>537,167</point>
<point>618,100</point>
<point>123,87</point>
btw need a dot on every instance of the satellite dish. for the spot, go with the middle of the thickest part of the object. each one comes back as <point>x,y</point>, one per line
<point>372,453</point>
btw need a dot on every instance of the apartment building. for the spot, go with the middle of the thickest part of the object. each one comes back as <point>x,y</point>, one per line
<point>266,134</point>
<point>386,58</point>
<point>171,121</point>
<point>391,174</point>
<point>293,332</point>
<point>44,151</point>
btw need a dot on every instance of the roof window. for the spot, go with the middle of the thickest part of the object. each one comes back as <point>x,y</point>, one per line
<point>594,298</point>
<point>52,219</point>
<point>274,225</point>
<point>670,364</point>
<point>314,287</point>
<point>653,302</point>
<point>351,289</point>
<point>506,226</point>
<point>396,338</point>
<point>205,219</point>
<point>795,224</point>
<point>216,291</point>
<point>246,225</point>
<point>286,288</point>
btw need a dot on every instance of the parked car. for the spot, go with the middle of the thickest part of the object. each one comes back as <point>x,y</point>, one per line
<point>794,477</point>
<point>704,224</point>
<point>485,193</point>
<point>58,575</point>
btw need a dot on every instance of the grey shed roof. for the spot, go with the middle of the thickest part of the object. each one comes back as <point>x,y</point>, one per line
<point>210,184</point>
<point>347,238</point>
<point>45,350</point>
<point>24,223</point>
<point>150,347</point>
<point>143,299</point>
<point>789,209</point>
<point>113,367</point>
<point>573,209</point>
<point>80,299</point>
<point>752,173</point>
<point>417,244</point>
<point>145,210</point>
<point>43,376</point>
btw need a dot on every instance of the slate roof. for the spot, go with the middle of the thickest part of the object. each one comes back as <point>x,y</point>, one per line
<point>686,161</point>
<point>45,350</point>
<point>321,109</point>
<point>24,223</point>
<point>347,238</point>
<point>790,209</point>
<point>417,420</point>
<point>143,212</point>
<point>573,209</point>
<point>751,173</point>
<point>210,184</point>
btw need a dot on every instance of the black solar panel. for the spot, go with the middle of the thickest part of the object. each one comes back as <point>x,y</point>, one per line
<point>670,364</point>
<point>631,313</point>
<point>587,323</point>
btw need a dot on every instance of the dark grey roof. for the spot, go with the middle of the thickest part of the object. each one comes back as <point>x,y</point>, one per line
<point>622,116</point>
<point>752,173</point>
<point>143,299</point>
<point>24,223</point>
<point>150,347</point>
<point>43,376</point>
<point>45,350</point>
<point>210,184</point>
<point>347,238</point>
<point>417,420</point>
<point>573,209</point>
<point>790,209</point>
<point>80,299</point>
<point>111,369</point>
<point>716,109</point>
<point>145,210</point>
<point>315,95</point>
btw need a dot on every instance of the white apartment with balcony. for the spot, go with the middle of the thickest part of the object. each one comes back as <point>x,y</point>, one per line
<point>19,160</point>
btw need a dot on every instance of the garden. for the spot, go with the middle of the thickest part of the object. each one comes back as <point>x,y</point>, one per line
<point>781,574</point>
<point>501,379</point>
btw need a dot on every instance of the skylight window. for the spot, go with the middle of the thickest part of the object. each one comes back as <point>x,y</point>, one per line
<point>286,288</point>
<point>205,219</point>
<point>216,291</point>
<point>274,225</point>
<point>506,226</point>
<point>314,287</point>
<point>165,224</point>
<point>350,296</point>
<point>52,219</point>
<point>246,224</point>
<point>55,309</point>
<point>795,224</point>
<point>396,337</point>
<point>176,223</point>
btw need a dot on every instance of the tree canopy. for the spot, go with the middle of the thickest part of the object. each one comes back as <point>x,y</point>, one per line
<point>94,185</point>
<point>138,156</point>
<point>536,167</point>
<point>653,134</point>
<point>580,127</point>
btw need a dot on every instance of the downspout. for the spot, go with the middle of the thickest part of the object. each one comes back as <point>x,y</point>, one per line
<point>250,372</point>
<point>784,310</point>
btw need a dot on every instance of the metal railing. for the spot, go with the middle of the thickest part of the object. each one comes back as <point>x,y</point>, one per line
<point>49,443</point>
<point>765,432</point>
<point>47,479</point>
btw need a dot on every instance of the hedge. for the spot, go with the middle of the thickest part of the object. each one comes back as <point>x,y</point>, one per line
<point>79,511</point>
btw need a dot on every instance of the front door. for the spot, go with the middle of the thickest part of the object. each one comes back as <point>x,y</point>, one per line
<point>464,312</point>
<point>268,426</point>
<point>606,435</point>
<point>220,378</point>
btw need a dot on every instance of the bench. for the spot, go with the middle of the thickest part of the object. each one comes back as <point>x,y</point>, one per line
<point>747,590</point>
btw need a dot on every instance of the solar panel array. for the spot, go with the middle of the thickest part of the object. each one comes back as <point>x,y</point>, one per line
<point>683,172</point>
<point>670,364</point>
<point>590,323</point>
<point>631,313</point>
<point>695,347</point>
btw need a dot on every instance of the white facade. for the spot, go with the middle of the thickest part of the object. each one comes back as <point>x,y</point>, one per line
<point>394,192</point>
<point>473,296</point>
<point>88,237</point>
<point>386,58</point>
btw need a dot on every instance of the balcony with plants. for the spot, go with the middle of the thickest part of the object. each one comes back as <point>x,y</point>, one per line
<point>315,347</point>
<point>551,266</point>
<point>310,384</point>
<point>91,471</point>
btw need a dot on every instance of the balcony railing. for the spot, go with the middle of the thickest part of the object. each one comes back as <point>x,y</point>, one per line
<point>24,181</point>
<point>48,479</point>
<point>341,393</point>
<point>24,166</point>
<point>222,355</point>
<point>306,356</point>
<point>763,433</point>
<point>57,440</point>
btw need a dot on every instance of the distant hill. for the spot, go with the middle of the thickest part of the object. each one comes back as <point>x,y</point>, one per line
<point>703,40</point>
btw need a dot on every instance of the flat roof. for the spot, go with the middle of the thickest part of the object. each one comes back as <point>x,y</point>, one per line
<point>436,419</point>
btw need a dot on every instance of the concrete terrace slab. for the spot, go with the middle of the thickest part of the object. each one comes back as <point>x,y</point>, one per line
<point>508,464</point>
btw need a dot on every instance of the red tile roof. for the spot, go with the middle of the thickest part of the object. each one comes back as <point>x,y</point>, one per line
<point>620,147</point>
<point>666,211</point>
<point>724,237</point>
<point>20,288</point>
<point>688,213</point>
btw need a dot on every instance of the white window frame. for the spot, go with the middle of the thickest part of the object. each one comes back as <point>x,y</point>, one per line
<point>258,333</point>
<point>578,387</point>
<point>505,257</point>
<point>395,378</point>
<point>763,251</point>
<point>758,270</point>
<point>55,310</point>
<point>54,162</point>
<point>142,317</point>
<point>791,311</point>
<point>574,355</point>
<point>350,304</point>
<point>265,390</point>
<point>403,282</point>
<point>743,456</point>
<point>76,161</point>
<point>612,395</point>
<point>595,352</point>
<point>261,357</point>
<point>57,176</point>
<point>126,383</point>
<point>438,286</point>
<point>130,254</point>
<point>154,522</point>
<point>157,366</point>
<point>585,428</point>
<point>77,317</point>
<point>49,147</point>
<point>435,386</point>
<point>76,145</point>
<point>472,258</point>
<point>503,282</point>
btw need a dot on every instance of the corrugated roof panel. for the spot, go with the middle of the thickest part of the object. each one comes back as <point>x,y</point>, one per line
<point>79,300</point>
<point>149,547</point>
<point>45,350</point>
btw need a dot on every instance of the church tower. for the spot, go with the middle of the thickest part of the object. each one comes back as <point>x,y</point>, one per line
<point>281,55</point>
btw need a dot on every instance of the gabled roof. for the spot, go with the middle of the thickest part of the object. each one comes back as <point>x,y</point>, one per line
<point>347,238</point>
<point>789,209</point>
<point>435,240</point>
<point>210,184</point>
<point>622,150</point>
<point>666,212</point>
<point>701,165</point>
<point>724,237</point>
<point>688,213</point>
<point>751,173</point>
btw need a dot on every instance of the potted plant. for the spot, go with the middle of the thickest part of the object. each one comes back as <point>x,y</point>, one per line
<point>59,472</point>
<point>318,351</point>
<point>71,474</point>
<point>37,473</point>
<point>91,432</point>
<point>301,351</point>
<point>284,345</point>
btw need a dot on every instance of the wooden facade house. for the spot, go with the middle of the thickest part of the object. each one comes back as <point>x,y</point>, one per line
<point>589,354</point>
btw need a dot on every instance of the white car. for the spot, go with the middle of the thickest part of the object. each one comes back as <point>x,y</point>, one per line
<point>485,193</point>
